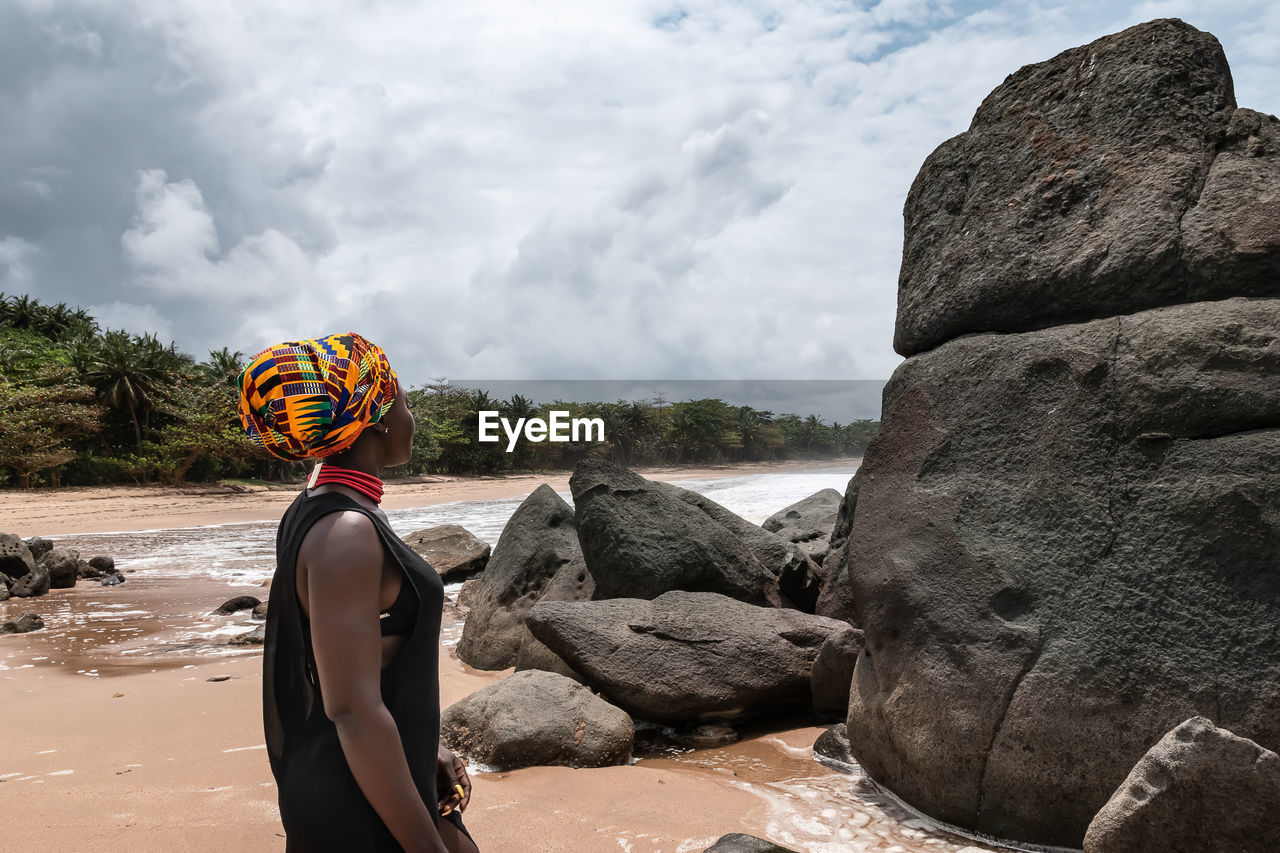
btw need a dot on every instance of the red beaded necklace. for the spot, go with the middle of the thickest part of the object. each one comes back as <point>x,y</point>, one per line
<point>365,484</point>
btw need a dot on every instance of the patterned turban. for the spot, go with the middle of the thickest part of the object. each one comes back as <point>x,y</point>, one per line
<point>301,399</point>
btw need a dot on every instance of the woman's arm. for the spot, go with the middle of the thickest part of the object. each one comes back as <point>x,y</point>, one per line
<point>343,556</point>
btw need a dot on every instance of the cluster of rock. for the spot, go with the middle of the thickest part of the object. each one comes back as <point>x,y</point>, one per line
<point>256,636</point>
<point>673,609</point>
<point>32,567</point>
<point>1067,531</point>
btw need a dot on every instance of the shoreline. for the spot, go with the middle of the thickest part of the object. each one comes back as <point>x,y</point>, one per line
<point>116,509</point>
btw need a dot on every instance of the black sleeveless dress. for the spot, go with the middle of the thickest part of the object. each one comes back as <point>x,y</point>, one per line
<point>321,804</point>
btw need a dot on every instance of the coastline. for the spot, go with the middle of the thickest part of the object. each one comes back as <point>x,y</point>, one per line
<point>103,509</point>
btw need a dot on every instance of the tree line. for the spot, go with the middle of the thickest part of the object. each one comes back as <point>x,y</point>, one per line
<point>90,406</point>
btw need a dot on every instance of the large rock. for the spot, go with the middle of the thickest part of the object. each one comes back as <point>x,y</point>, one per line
<point>538,718</point>
<point>451,550</point>
<point>537,557</point>
<point>63,566</point>
<point>832,674</point>
<point>685,654</point>
<point>642,538</point>
<point>1114,177</point>
<point>33,583</point>
<point>24,623</point>
<point>808,522</point>
<point>39,546</point>
<point>737,842</point>
<point>1067,541</point>
<point>1199,789</point>
<point>15,556</point>
<point>836,598</point>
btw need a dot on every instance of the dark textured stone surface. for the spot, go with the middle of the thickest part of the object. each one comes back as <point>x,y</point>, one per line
<point>236,604</point>
<point>33,583</point>
<point>833,670</point>
<point>642,538</point>
<point>451,550</point>
<point>63,566</point>
<point>685,654</point>
<point>1199,789</point>
<point>1067,541</point>
<point>1114,177</point>
<point>24,623</point>
<point>39,546</point>
<point>832,748</point>
<point>836,598</point>
<point>538,718</point>
<point>537,557</point>
<point>737,842</point>
<point>15,556</point>
<point>808,522</point>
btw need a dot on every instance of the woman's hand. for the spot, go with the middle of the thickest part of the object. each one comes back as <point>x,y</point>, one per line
<point>451,770</point>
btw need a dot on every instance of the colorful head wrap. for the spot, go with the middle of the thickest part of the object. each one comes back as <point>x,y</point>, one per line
<point>301,399</point>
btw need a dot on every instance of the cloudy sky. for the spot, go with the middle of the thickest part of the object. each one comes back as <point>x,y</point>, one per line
<point>623,189</point>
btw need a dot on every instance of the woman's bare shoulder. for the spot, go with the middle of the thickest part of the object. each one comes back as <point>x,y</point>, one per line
<point>341,541</point>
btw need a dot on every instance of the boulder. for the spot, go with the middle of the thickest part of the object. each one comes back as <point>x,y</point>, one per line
<point>835,599</point>
<point>35,582</point>
<point>685,655</point>
<point>1067,541</point>
<point>808,522</point>
<point>1116,176</point>
<point>103,565</point>
<point>737,842</point>
<point>467,593</point>
<point>1200,788</point>
<point>113,579</point>
<point>39,546</point>
<point>534,655</point>
<point>63,566</point>
<point>260,612</point>
<point>15,556</point>
<point>24,623</point>
<point>538,718</point>
<point>833,670</point>
<point>236,604</point>
<point>642,538</point>
<point>450,549</point>
<point>537,557</point>
<point>832,749</point>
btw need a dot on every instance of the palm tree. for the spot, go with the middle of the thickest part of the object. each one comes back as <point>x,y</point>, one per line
<point>129,373</point>
<point>224,366</point>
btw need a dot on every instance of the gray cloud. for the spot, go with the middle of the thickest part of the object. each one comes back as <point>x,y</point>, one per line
<point>693,190</point>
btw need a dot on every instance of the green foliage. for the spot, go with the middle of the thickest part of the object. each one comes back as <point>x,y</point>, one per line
<point>87,406</point>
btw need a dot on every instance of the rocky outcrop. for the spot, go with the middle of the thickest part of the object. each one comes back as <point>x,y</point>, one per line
<point>642,538</point>
<point>836,599</point>
<point>1067,536</point>
<point>451,550</point>
<point>737,842</point>
<point>39,546</point>
<point>537,718</point>
<point>1199,789</point>
<point>24,623</point>
<point>1116,176</point>
<point>685,654</point>
<point>15,557</point>
<point>33,583</point>
<point>537,557</point>
<point>235,605</point>
<point>833,670</point>
<point>808,522</point>
<point>63,566</point>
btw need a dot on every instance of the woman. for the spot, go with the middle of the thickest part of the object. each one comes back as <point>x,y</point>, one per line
<point>351,695</point>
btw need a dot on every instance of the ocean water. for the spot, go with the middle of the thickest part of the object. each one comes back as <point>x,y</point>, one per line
<point>244,553</point>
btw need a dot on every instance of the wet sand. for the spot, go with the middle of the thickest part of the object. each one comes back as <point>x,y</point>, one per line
<point>115,739</point>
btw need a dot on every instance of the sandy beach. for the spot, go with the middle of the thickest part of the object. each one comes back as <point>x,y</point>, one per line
<point>94,510</point>
<point>111,750</point>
